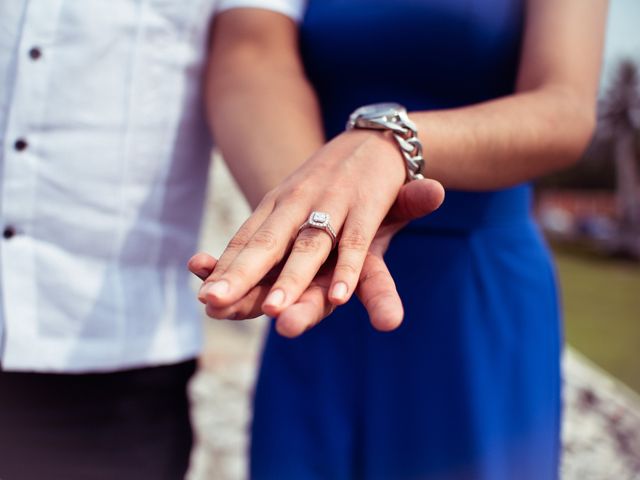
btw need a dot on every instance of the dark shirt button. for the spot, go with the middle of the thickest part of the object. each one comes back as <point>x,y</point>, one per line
<point>35,53</point>
<point>21,144</point>
<point>8,232</point>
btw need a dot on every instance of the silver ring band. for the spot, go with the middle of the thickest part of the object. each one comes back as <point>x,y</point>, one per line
<point>320,220</point>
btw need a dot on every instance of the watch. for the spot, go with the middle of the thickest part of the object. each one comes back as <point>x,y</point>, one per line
<point>393,117</point>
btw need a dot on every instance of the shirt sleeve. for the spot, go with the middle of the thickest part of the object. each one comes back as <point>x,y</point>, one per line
<point>290,8</point>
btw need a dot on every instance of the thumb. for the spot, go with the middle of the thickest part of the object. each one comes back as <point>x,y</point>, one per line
<point>416,199</point>
<point>201,265</point>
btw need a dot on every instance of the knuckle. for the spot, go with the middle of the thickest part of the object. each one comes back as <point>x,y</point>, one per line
<point>263,240</point>
<point>237,242</point>
<point>353,239</point>
<point>240,239</point>
<point>371,276</point>
<point>375,281</point>
<point>294,193</point>
<point>237,273</point>
<point>288,278</point>
<point>374,301</point>
<point>335,190</point>
<point>307,242</point>
<point>347,268</point>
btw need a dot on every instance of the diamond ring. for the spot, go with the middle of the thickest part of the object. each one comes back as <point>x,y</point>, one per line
<point>320,220</point>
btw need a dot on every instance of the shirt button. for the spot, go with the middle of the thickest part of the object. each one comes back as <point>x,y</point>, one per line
<point>20,145</point>
<point>8,232</point>
<point>35,53</point>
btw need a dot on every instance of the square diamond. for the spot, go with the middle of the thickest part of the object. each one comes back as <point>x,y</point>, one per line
<point>319,218</point>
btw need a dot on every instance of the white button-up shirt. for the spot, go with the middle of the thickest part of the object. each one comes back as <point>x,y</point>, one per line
<point>291,8</point>
<point>103,163</point>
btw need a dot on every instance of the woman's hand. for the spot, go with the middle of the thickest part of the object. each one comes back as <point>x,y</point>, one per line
<point>376,288</point>
<point>355,178</point>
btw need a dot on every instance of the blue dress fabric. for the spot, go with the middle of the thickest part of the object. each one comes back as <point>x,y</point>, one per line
<point>469,386</point>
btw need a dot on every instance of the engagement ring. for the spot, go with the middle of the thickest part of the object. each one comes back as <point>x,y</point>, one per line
<point>320,220</point>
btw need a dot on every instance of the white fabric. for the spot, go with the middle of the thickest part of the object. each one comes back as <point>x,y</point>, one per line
<point>107,197</point>
<point>291,8</point>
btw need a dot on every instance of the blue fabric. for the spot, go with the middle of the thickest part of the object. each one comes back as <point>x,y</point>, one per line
<point>469,386</point>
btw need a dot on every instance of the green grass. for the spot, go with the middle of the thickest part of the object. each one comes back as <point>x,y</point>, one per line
<point>601,300</point>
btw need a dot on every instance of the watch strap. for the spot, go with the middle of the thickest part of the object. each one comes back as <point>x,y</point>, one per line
<point>404,133</point>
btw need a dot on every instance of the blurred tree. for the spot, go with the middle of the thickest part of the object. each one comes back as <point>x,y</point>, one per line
<point>620,121</point>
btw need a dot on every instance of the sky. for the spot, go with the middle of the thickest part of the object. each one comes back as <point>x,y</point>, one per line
<point>623,35</point>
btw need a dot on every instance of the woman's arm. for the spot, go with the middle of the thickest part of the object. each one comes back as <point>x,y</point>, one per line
<point>263,112</point>
<point>266,122</point>
<point>541,128</point>
<point>545,126</point>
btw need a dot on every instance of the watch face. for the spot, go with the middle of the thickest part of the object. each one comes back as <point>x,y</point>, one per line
<point>378,110</point>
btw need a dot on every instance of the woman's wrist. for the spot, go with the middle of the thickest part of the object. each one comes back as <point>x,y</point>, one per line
<point>377,151</point>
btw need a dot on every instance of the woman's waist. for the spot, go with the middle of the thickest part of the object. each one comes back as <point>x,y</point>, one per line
<point>467,211</point>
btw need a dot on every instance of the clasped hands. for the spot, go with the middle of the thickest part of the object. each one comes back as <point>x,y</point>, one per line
<point>270,267</point>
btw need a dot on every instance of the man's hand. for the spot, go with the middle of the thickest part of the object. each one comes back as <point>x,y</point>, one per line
<point>376,288</point>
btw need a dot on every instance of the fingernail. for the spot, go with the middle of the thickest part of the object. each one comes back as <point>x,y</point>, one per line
<point>275,298</point>
<point>339,291</point>
<point>216,289</point>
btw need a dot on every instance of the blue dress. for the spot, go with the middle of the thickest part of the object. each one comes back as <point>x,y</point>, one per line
<point>469,386</point>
